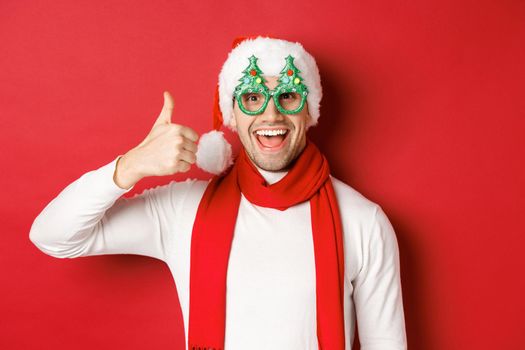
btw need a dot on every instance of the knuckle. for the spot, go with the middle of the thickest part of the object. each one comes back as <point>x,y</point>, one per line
<point>173,163</point>
<point>178,140</point>
<point>192,135</point>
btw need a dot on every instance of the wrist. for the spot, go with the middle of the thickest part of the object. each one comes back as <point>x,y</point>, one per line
<point>125,176</point>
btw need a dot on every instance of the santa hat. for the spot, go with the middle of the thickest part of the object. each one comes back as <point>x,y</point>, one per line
<point>214,154</point>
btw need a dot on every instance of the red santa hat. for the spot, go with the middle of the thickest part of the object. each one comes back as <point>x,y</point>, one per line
<point>214,154</point>
<point>271,54</point>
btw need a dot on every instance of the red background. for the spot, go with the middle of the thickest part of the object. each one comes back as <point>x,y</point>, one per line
<point>423,114</point>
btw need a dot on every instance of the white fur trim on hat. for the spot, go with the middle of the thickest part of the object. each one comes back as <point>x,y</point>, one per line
<point>271,54</point>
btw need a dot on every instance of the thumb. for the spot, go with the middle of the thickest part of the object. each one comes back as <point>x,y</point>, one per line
<point>167,109</point>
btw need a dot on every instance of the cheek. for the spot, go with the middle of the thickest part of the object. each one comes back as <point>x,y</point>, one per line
<point>301,123</point>
<point>242,128</point>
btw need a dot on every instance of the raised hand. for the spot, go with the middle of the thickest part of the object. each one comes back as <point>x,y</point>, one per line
<point>169,148</point>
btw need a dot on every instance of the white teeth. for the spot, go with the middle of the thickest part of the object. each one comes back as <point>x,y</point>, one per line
<point>271,132</point>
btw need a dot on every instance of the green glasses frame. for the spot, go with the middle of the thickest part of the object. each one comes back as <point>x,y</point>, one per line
<point>253,82</point>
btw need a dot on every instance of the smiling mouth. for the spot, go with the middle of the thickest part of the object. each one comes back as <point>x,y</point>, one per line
<point>271,139</point>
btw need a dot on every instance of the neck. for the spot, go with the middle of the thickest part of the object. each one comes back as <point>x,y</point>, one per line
<point>272,177</point>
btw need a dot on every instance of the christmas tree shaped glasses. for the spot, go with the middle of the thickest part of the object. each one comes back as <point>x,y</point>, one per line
<point>253,95</point>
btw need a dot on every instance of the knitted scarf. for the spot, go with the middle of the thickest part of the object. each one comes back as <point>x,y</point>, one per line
<point>307,180</point>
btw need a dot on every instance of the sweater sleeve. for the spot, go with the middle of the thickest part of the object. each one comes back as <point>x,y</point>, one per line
<point>377,290</point>
<point>89,218</point>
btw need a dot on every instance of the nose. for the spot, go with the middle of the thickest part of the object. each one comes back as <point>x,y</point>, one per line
<point>271,113</point>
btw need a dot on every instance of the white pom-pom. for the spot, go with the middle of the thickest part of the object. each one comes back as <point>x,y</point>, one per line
<point>214,153</point>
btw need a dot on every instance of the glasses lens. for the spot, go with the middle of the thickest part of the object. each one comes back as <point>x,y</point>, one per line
<point>252,101</point>
<point>290,101</point>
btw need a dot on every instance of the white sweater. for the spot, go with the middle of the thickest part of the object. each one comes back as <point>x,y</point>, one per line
<point>271,299</point>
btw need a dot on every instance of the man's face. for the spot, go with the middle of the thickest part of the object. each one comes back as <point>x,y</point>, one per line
<point>272,140</point>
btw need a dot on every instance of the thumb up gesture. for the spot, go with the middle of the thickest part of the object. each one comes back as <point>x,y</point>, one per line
<point>169,148</point>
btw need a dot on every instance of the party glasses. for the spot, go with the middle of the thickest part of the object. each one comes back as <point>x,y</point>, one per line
<point>253,96</point>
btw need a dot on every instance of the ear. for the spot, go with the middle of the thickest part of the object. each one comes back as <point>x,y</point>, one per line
<point>233,121</point>
<point>308,118</point>
<point>308,122</point>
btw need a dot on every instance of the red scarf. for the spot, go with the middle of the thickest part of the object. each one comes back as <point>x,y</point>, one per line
<point>212,237</point>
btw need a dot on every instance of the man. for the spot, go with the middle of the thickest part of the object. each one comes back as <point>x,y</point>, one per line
<point>274,253</point>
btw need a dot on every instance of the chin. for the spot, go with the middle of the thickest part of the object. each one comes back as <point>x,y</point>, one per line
<point>272,148</point>
<point>271,166</point>
<point>272,162</point>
